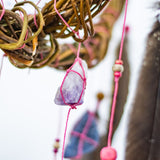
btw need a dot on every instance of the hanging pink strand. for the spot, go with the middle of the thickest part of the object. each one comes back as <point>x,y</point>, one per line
<point>3,10</point>
<point>123,32</point>
<point>116,80</point>
<point>113,111</point>
<point>109,153</point>
<point>65,132</point>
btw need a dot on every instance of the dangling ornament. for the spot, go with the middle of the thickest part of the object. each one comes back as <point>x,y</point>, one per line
<point>84,137</point>
<point>109,153</point>
<point>72,88</point>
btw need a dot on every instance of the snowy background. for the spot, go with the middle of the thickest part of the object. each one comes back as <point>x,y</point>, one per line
<point>29,119</point>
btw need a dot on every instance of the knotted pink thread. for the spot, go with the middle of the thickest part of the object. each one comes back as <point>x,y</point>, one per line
<point>3,10</point>
<point>65,132</point>
<point>117,75</point>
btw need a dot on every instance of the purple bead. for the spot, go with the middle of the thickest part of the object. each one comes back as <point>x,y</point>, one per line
<point>57,140</point>
<point>55,150</point>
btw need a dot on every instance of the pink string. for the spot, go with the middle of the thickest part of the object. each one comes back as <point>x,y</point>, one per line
<point>116,79</point>
<point>35,22</point>
<point>65,132</point>
<point>77,33</point>
<point>78,51</point>
<point>3,10</point>
<point>123,32</point>
<point>112,112</point>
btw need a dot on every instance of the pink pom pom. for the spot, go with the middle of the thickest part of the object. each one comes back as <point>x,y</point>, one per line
<point>108,153</point>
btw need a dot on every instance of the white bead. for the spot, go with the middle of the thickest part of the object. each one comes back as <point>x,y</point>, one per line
<point>56,145</point>
<point>117,68</point>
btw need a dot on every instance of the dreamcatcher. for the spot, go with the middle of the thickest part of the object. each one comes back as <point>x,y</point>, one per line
<point>23,40</point>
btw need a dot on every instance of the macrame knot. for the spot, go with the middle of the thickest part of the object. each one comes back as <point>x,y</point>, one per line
<point>73,106</point>
<point>56,145</point>
<point>108,153</point>
<point>118,68</point>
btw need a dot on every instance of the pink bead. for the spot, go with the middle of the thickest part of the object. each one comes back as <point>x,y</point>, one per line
<point>57,140</point>
<point>119,62</point>
<point>55,150</point>
<point>127,29</point>
<point>108,153</point>
<point>117,74</point>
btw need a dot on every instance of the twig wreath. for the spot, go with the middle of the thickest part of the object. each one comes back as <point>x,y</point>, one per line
<point>31,48</point>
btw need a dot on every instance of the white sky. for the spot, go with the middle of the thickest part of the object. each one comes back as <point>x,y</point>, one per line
<point>28,115</point>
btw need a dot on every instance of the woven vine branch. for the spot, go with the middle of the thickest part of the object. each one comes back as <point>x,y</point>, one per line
<point>26,44</point>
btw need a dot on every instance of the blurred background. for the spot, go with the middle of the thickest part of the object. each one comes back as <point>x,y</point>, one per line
<point>29,119</point>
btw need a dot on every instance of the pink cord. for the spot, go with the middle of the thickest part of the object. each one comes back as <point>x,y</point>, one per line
<point>65,132</point>
<point>112,112</point>
<point>3,10</point>
<point>35,22</point>
<point>123,32</point>
<point>117,75</point>
<point>77,33</point>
